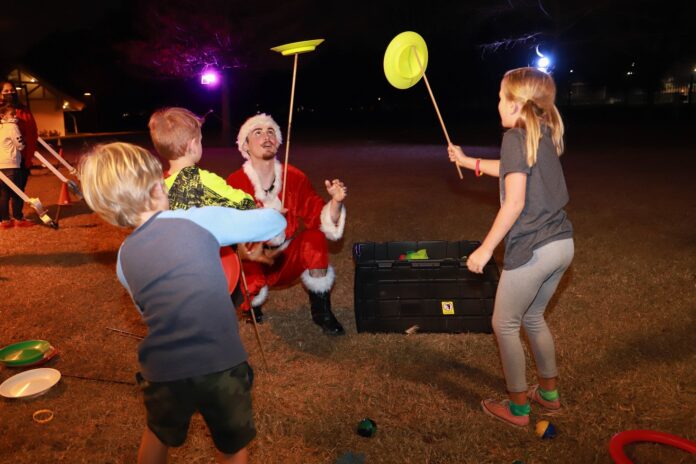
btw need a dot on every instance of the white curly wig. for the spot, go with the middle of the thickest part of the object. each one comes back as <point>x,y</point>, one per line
<point>259,120</point>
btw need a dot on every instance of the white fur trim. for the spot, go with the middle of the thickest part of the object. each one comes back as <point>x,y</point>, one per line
<point>331,230</point>
<point>252,123</point>
<point>270,199</point>
<point>319,284</point>
<point>261,298</point>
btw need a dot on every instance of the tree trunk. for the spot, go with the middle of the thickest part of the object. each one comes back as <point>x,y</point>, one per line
<point>226,136</point>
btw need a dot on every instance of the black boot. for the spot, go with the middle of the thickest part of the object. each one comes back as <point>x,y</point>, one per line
<point>257,313</point>
<point>322,315</point>
<point>238,299</point>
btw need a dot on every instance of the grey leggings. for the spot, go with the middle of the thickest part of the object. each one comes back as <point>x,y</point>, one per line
<point>521,300</point>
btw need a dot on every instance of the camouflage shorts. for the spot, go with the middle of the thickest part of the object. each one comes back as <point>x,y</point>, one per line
<point>222,398</point>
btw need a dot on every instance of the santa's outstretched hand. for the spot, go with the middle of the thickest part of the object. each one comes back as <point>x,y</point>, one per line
<point>337,190</point>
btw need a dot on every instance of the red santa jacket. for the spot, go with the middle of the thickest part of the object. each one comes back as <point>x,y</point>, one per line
<point>301,200</point>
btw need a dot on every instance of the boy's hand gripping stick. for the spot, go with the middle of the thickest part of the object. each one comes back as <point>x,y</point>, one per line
<point>70,183</point>
<point>34,202</point>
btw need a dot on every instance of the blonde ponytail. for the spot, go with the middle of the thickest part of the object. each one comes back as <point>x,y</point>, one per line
<point>530,122</point>
<point>535,91</point>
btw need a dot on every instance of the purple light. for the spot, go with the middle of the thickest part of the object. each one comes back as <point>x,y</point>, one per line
<point>210,78</point>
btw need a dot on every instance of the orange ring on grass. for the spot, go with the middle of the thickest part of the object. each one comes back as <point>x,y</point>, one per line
<point>42,416</point>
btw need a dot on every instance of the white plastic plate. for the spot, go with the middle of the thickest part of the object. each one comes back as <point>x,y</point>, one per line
<point>29,384</point>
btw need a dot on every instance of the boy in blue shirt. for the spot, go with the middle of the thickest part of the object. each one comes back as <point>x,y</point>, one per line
<point>192,358</point>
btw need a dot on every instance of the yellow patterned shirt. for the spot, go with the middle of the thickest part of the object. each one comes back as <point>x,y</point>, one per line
<point>193,186</point>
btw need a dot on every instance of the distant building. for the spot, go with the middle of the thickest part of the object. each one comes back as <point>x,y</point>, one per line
<point>48,104</point>
<point>675,86</point>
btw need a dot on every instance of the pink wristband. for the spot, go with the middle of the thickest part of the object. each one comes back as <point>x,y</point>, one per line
<point>477,171</point>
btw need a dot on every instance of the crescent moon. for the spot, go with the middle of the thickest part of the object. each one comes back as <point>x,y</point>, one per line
<point>539,54</point>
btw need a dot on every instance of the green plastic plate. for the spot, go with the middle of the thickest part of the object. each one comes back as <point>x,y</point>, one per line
<point>26,352</point>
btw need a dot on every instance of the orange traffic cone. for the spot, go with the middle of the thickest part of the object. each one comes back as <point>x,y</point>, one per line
<point>64,198</point>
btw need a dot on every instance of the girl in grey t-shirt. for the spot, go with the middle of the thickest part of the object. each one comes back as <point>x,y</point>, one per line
<point>538,237</point>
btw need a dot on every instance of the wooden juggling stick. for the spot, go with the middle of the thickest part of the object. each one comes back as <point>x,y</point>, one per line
<point>251,309</point>
<point>437,110</point>
<point>287,141</point>
<point>294,48</point>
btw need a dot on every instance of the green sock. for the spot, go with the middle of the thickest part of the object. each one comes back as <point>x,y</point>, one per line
<point>551,395</point>
<point>519,409</point>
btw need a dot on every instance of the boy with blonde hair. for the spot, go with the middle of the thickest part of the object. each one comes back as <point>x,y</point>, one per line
<point>192,358</point>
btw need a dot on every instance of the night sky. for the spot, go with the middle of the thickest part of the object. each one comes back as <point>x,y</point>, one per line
<point>109,48</point>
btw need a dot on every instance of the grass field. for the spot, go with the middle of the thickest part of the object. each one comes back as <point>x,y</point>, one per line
<point>624,320</point>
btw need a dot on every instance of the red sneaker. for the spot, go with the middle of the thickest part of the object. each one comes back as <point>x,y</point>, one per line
<point>534,395</point>
<point>24,223</point>
<point>6,224</point>
<point>501,410</point>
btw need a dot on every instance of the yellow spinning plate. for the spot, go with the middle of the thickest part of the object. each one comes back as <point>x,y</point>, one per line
<point>400,62</point>
<point>296,48</point>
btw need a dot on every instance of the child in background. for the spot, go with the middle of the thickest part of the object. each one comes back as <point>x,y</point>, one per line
<point>192,358</point>
<point>30,135</point>
<point>539,244</point>
<point>11,146</point>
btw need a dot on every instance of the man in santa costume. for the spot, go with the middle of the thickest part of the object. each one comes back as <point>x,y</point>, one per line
<point>303,251</point>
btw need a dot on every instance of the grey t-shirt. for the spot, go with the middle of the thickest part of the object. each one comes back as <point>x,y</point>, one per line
<point>543,219</point>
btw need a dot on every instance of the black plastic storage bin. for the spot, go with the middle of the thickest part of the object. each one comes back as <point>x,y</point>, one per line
<point>437,294</point>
